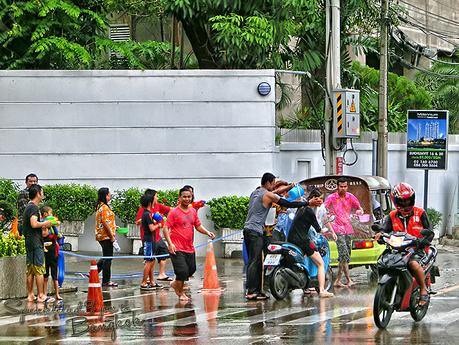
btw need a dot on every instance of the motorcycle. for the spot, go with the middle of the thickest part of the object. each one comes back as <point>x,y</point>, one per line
<point>397,289</point>
<point>287,269</point>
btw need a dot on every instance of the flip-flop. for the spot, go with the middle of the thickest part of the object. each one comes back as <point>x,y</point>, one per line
<point>251,297</point>
<point>167,279</point>
<point>261,297</point>
<point>50,299</point>
<point>423,298</point>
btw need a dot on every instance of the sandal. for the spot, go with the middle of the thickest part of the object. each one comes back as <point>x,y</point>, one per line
<point>110,284</point>
<point>252,297</point>
<point>156,286</point>
<point>50,300</point>
<point>423,298</point>
<point>166,279</point>
<point>261,296</point>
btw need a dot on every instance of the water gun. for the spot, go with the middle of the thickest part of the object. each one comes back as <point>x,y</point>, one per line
<point>53,232</point>
<point>198,204</point>
<point>60,261</point>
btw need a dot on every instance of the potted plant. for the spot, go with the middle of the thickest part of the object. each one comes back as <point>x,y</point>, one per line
<point>12,267</point>
<point>72,204</point>
<point>228,214</point>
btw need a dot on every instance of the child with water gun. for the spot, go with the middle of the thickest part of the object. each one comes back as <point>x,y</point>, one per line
<point>50,236</point>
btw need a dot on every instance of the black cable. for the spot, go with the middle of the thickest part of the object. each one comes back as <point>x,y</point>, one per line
<point>431,14</point>
<point>356,155</point>
<point>409,65</point>
<point>408,45</point>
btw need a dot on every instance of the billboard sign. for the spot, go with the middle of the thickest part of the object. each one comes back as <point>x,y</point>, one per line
<point>427,139</point>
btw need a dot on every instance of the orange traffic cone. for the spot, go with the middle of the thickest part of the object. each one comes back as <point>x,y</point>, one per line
<point>211,301</point>
<point>210,283</point>
<point>95,302</point>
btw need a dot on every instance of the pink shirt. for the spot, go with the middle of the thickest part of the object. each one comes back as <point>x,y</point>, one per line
<point>341,208</point>
<point>181,225</point>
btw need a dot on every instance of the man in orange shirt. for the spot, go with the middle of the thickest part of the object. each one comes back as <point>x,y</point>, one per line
<point>411,219</point>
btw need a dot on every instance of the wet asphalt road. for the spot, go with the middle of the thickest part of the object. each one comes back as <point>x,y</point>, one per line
<point>158,317</point>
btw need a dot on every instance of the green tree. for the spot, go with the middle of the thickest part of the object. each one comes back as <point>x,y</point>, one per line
<point>49,34</point>
<point>403,94</point>
<point>442,84</point>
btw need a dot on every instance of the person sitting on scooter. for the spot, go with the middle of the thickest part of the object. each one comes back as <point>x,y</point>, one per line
<point>298,235</point>
<point>412,220</point>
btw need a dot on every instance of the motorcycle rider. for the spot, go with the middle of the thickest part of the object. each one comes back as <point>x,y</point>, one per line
<point>305,217</point>
<point>412,220</point>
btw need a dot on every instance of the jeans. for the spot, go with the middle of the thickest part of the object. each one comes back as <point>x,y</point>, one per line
<point>254,242</point>
<point>105,265</point>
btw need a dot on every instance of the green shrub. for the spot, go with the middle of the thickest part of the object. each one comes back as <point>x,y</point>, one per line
<point>168,197</point>
<point>125,203</point>
<point>71,202</point>
<point>434,217</point>
<point>7,213</point>
<point>9,192</point>
<point>11,246</point>
<point>229,211</point>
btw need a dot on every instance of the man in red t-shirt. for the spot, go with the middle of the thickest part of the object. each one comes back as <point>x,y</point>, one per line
<point>179,234</point>
<point>161,247</point>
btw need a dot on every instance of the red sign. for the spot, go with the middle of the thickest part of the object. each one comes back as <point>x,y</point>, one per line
<point>339,165</point>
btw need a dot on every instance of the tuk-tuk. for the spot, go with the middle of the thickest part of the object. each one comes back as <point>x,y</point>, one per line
<point>373,193</point>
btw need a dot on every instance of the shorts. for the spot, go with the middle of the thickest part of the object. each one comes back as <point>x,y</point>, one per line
<point>35,261</point>
<point>149,249</point>
<point>184,265</point>
<point>343,243</point>
<point>51,264</point>
<point>308,248</point>
<point>161,249</point>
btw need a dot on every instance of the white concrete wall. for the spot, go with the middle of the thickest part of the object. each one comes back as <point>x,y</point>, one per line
<point>443,186</point>
<point>158,129</point>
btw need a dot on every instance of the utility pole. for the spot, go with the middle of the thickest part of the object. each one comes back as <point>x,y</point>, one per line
<point>382,123</point>
<point>333,76</point>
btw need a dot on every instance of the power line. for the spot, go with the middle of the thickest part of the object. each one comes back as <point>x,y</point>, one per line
<point>406,44</point>
<point>427,32</point>
<point>409,65</point>
<point>445,33</point>
<point>435,15</point>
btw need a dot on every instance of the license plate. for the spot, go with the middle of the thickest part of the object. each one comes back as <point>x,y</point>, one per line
<point>272,260</point>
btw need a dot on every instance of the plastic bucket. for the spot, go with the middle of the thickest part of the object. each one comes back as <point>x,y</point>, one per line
<point>295,193</point>
<point>122,231</point>
<point>364,218</point>
<point>157,217</point>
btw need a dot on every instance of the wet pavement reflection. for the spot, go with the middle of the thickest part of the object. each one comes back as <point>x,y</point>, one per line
<point>132,316</point>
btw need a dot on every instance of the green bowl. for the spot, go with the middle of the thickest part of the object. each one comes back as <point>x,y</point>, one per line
<point>122,231</point>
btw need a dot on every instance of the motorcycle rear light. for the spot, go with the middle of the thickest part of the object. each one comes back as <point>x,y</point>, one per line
<point>274,247</point>
<point>365,244</point>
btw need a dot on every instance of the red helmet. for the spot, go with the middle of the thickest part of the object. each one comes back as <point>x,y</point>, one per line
<point>403,197</point>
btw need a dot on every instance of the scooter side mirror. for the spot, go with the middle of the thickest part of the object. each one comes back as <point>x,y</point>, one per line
<point>377,228</point>
<point>427,233</point>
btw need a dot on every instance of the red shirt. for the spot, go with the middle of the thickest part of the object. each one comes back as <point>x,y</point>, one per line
<point>181,224</point>
<point>161,209</point>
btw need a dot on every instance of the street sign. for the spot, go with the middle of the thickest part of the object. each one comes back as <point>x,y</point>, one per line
<point>427,139</point>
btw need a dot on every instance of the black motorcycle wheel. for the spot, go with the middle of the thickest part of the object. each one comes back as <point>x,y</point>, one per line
<point>278,285</point>
<point>417,312</point>
<point>382,310</point>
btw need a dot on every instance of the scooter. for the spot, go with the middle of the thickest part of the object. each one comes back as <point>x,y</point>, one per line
<point>397,289</point>
<point>287,269</point>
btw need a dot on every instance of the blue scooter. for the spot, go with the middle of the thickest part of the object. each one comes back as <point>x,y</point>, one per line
<point>287,269</point>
